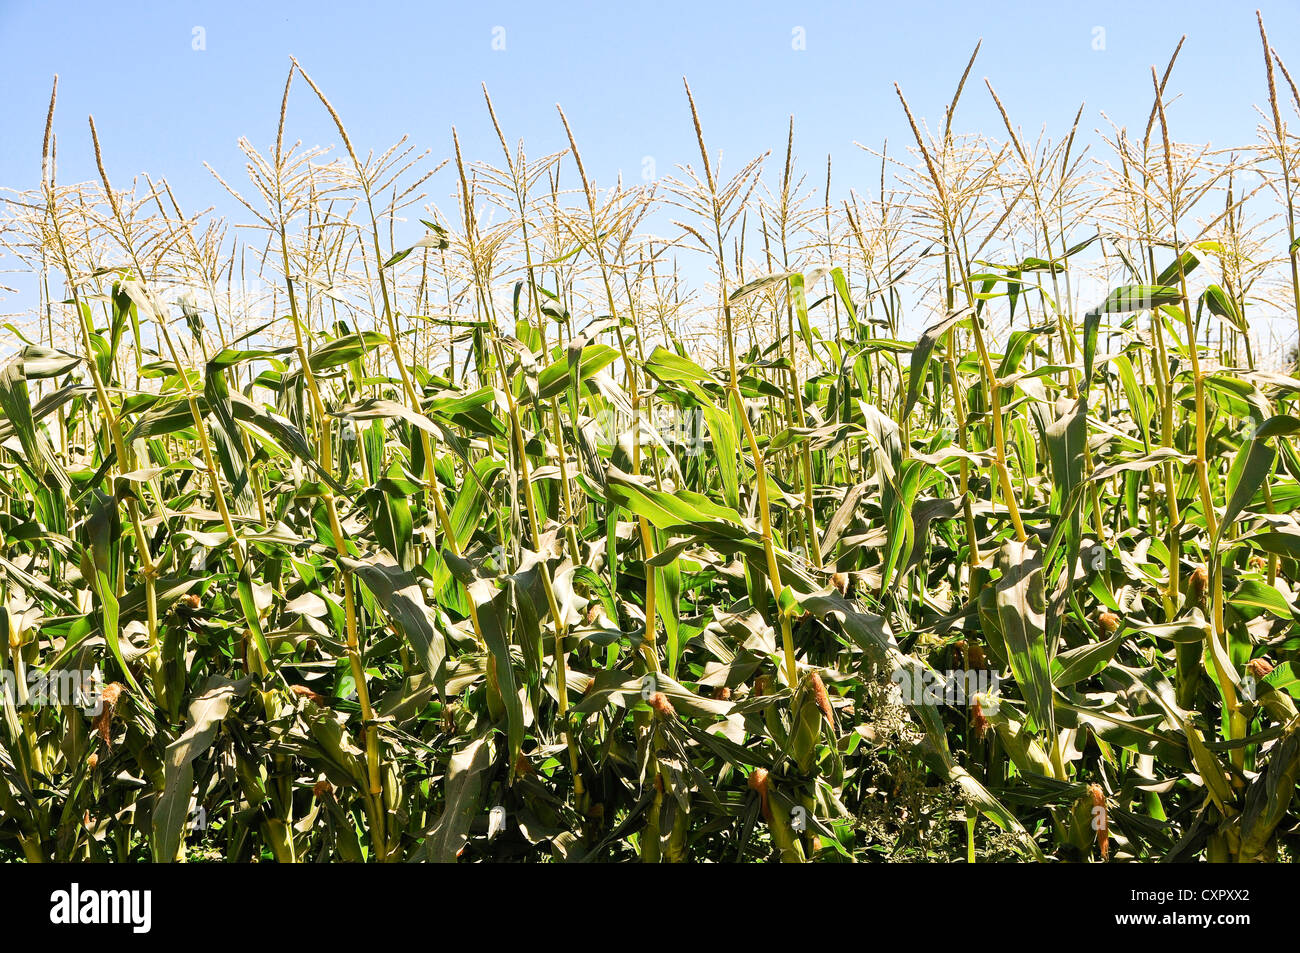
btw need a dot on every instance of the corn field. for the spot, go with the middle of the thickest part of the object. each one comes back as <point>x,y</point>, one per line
<point>732,516</point>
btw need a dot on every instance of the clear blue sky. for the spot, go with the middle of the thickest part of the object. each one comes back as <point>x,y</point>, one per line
<point>393,68</point>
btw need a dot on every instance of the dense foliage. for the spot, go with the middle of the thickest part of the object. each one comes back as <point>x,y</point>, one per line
<point>506,546</point>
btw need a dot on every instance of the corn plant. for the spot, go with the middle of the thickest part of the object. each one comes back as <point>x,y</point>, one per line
<point>953,517</point>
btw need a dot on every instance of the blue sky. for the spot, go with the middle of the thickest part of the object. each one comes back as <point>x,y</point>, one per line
<point>164,107</point>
